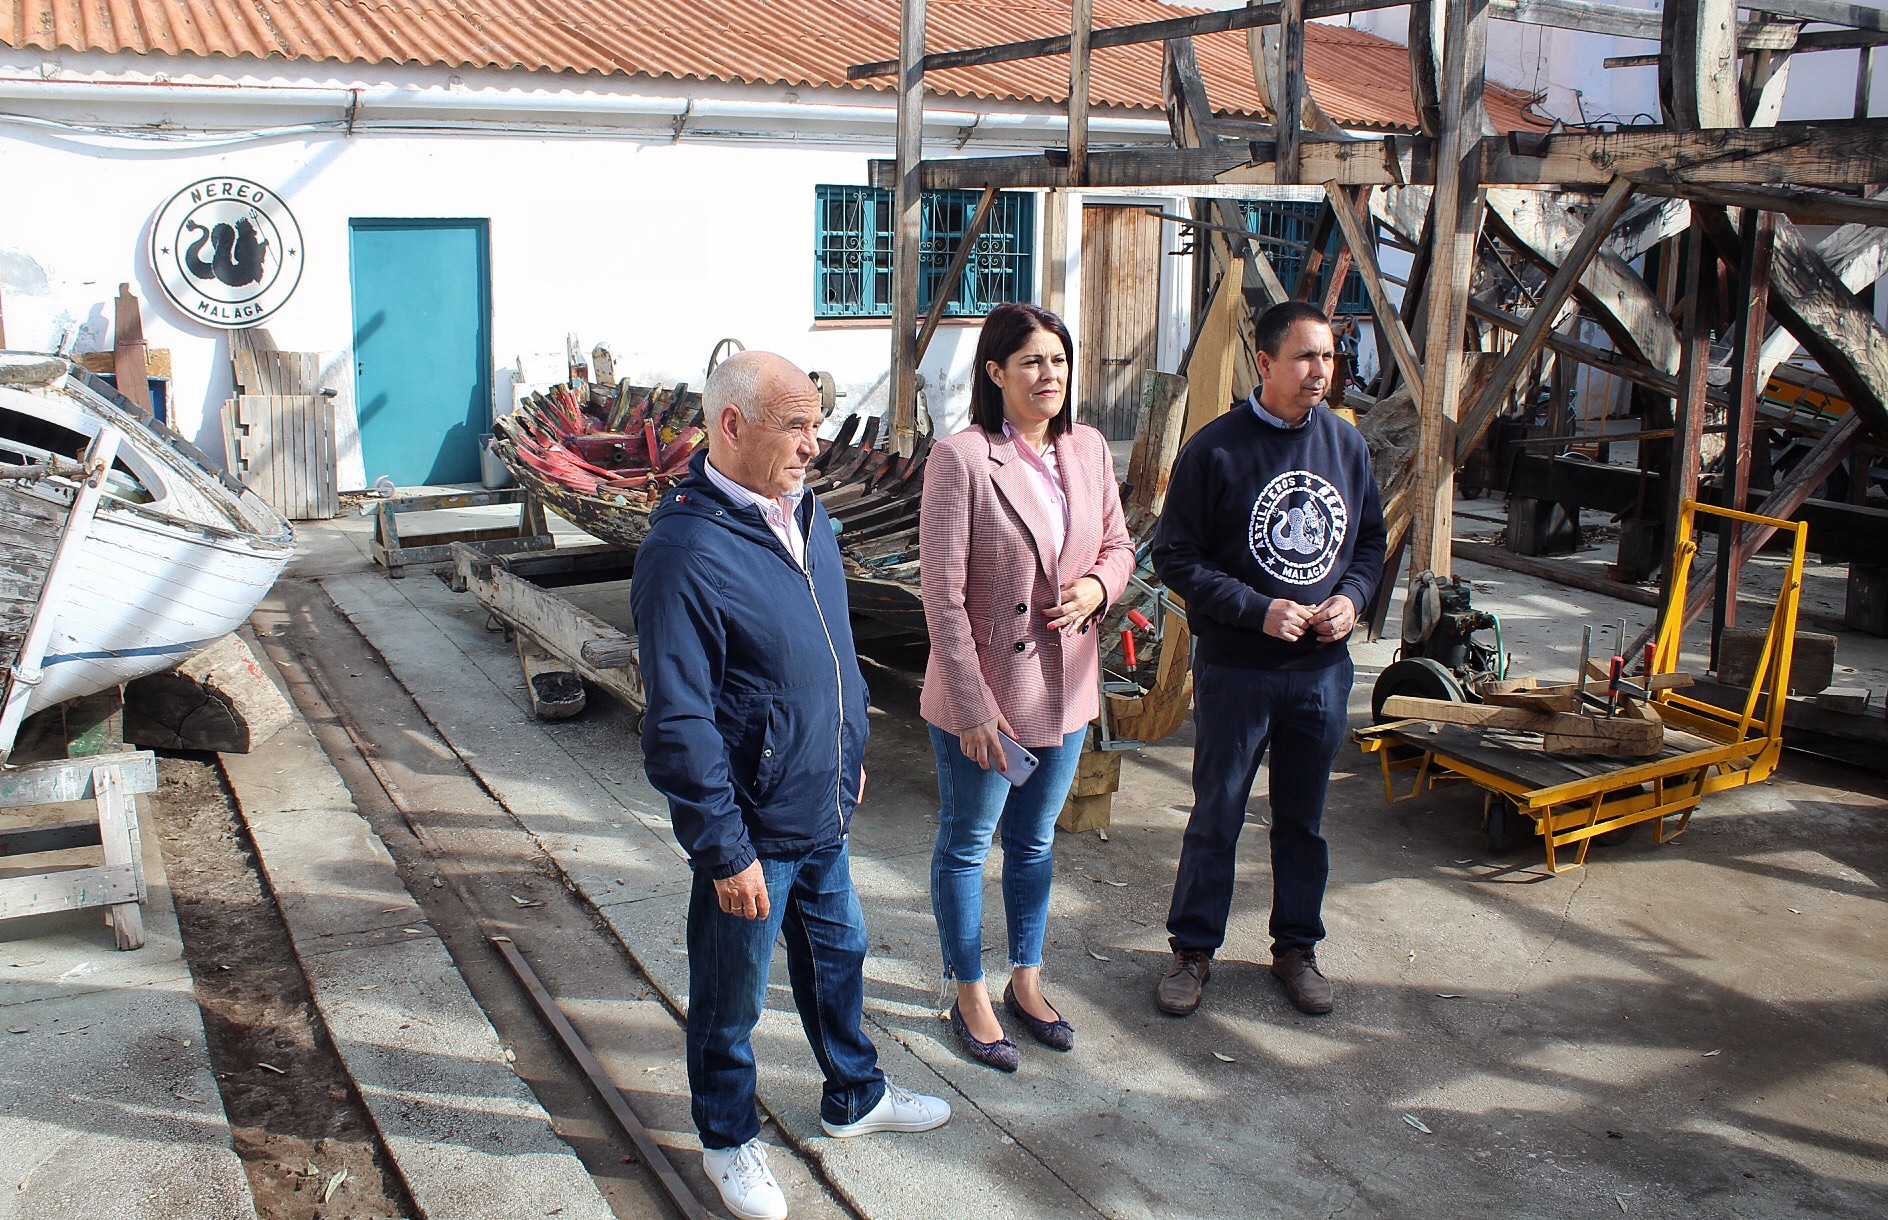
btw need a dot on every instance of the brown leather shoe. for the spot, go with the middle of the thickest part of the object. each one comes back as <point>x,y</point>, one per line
<point>1309,990</point>
<point>1178,992</point>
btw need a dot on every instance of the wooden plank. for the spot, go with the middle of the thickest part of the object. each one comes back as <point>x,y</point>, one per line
<point>1540,322</point>
<point>1596,734</point>
<point>1623,22</point>
<point>1156,444</point>
<point>1858,256</point>
<point>1648,221</point>
<point>119,840</point>
<point>1363,255</point>
<point>128,351</point>
<point>51,783</point>
<point>1593,357</point>
<point>557,626</point>
<point>1681,482</point>
<point>69,890</point>
<point>1802,206</point>
<point>908,200</point>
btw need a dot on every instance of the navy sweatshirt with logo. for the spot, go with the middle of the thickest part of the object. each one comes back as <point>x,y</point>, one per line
<point>1256,512</point>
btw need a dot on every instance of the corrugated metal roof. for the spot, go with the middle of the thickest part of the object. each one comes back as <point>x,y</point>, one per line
<point>1360,80</point>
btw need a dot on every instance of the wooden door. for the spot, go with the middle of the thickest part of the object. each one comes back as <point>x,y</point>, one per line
<point>1120,315</point>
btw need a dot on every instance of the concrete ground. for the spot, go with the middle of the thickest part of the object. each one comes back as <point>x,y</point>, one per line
<point>108,1103</point>
<point>1686,1029</point>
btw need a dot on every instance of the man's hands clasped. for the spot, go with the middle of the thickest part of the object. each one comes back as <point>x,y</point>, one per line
<point>1330,620</point>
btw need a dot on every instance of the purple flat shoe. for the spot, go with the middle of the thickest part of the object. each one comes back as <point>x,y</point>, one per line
<point>1057,1035</point>
<point>1000,1054</point>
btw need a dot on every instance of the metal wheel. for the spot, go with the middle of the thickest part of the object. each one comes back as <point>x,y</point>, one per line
<point>1418,676</point>
<point>721,352</point>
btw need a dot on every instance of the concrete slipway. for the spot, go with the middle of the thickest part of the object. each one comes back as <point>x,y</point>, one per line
<point>1679,1030</point>
<point>1695,1028</point>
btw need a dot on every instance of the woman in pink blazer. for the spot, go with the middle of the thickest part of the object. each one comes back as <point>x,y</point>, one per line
<point>1021,546</point>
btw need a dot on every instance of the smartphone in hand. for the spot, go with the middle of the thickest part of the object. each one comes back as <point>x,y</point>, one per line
<point>1018,763</point>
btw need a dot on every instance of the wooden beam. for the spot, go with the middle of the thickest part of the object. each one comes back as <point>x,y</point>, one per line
<point>1364,255</point>
<point>1858,255</point>
<point>959,258</point>
<point>1622,22</point>
<point>1830,12</point>
<point>1458,215</point>
<point>1802,206</point>
<point>1123,36</point>
<point>1082,14</point>
<point>1847,154</point>
<point>1544,229</point>
<point>1612,362</point>
<point>1839,330</point>
<point>1558,291</point>
<point>1646,223</point>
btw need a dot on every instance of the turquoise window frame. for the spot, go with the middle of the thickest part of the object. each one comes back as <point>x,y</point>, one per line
<point>852,252</point>
<point>1285,220</point>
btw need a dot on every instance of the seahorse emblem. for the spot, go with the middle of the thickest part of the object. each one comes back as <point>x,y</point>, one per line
<point>236,253</point>
<point>1300,530</point>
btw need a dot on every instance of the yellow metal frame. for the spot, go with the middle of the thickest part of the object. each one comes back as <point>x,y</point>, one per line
<point>1746,745</point>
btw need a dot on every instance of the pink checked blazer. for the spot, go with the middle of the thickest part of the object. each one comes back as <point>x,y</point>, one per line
<point>987,574</point>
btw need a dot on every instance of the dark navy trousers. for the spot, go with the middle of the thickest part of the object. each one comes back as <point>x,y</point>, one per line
<point>1301,715</point>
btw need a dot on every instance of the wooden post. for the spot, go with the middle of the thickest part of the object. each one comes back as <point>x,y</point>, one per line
<point>1694,357</point>
<point>907,274</point>
<point>1454,234</point>
<point>1055,241</point>
<point>1290,89</point>
<point>1082,21</point>
<point>1757,236</point>
<point>128,354</point>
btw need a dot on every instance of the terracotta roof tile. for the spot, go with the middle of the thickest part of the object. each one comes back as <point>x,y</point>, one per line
<point>1360,80</point>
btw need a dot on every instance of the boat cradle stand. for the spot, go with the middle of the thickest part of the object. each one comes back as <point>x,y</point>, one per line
<point>113,782</point>
<point>394,553</point>
<point>560,645</point>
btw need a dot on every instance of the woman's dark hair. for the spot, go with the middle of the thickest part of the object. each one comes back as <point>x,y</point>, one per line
<point>1006,329</point>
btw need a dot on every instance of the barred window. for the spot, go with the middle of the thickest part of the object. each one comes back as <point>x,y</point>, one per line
<point>852,252</point>
<point>1288,221</point>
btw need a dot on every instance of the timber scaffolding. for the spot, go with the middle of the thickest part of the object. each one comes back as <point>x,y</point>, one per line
<point>1515,238</point>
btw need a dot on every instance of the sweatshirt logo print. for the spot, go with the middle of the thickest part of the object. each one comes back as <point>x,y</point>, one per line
<point>1298,526</point>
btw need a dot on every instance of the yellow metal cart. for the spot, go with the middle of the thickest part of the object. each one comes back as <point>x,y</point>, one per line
<point>1571,800</point>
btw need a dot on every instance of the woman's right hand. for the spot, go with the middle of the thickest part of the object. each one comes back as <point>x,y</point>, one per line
<point>981,745</point>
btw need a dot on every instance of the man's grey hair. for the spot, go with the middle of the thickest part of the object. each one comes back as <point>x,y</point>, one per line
<point>735,380</point>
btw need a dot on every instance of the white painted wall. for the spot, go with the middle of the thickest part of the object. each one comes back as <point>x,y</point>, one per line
<point>603,222</point>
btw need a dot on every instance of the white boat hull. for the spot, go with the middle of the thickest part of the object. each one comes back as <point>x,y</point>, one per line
<point>172,560</point>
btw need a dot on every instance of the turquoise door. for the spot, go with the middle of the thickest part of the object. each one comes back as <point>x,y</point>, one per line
<point>422,354</point>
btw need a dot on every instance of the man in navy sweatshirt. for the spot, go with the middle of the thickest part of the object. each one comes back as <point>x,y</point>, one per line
<point>755,732</point>
<point>1273,534</point>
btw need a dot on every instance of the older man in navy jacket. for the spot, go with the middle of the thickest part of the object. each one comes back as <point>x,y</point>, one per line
<point>755,732</point>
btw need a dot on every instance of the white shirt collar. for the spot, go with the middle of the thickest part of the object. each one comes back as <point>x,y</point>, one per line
<point>1259,410</point>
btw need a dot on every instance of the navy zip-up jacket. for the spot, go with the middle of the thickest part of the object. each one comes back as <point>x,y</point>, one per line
<point>1256,512</point>
<point>755,729</point>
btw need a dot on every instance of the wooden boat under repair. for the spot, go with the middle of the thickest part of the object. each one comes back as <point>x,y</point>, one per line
<point>587,456</point>
<point>122,550</point>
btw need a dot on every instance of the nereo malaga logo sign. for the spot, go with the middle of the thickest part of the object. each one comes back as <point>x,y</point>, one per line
<point>227,252</point>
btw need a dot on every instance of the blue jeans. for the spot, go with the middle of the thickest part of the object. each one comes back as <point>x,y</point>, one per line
<point>972,804</point>
<point>1302,715</point>
<point>811,901</point>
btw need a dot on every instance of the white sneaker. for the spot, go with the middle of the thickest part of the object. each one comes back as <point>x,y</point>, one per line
<point>747,1186</point>
<point>899,1110</point>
